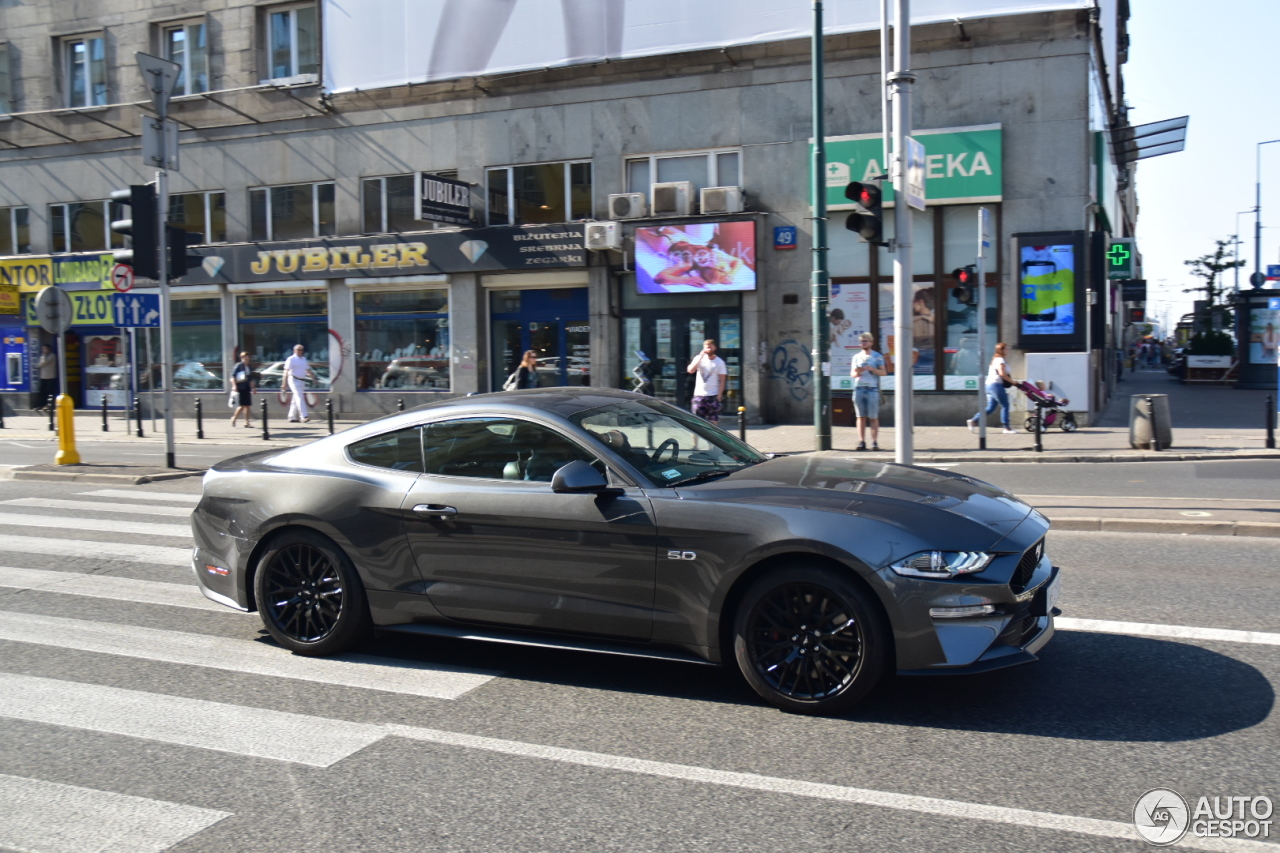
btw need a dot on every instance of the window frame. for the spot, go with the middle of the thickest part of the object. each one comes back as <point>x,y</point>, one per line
<point>12,229</point>
<point>209,235</point>
<point>6,79</point>
<point>714,179</point>
<point>384,222</point>
<point>295,75</point>
<point>67,69</point>
<point>110,211</point>
<point>317,231</point>
<point>513,207</point>
<point>185,75</point>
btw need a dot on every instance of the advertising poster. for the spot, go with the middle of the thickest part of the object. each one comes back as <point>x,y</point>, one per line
<point>1047,290</point>
<point>1264,336</point>
<point>706,257</point>
<point>848,316</point>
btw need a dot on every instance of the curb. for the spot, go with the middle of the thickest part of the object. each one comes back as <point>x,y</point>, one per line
<point>71,475</point>
<point>1152,525</point>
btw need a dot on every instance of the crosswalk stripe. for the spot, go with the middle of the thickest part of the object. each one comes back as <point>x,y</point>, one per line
<point>107,586</point>
<point>99,506</point>
<point>138,495</point>
<point>362,671</point>
<point>1172,632</point>
<point>60,547</point>
<point>112,525</point>
<point>253,732</point>
<point>48,817</point>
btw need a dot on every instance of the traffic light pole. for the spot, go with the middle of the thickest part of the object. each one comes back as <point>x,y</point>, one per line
<point>983,239</point>
<point>166,331</point>
<point>900,82</point>
<point>820,288</point>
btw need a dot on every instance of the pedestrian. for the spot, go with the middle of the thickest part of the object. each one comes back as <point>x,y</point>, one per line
<point>868,367</point>
<point>297,370</point>
<point>998,380</point>
<point>48,368</point>
<point>243,385</point>
<point>711,376</point>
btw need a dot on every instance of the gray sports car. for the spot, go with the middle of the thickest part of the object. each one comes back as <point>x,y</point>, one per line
<point>598,519</point>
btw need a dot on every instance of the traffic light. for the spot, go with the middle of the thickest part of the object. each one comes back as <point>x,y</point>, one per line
<point>965,291</point>
<point>144,213</point>
<point>867,218</point>
<point>177,242</point>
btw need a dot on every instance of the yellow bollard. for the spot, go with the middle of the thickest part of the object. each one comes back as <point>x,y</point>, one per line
<point>67,454</point>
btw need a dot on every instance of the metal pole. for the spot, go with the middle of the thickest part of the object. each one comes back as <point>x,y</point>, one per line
<point>742,424</point>
<point>1151,415</point>
<point>1270,404</point>
<point>1257,211</point>
<point>151,378</point>
<point>900,81</point>
<point>819,288</point>
<point>984,219</point>
<point>266,433</point>
<point>328,413</point>
<point>886,121</point>
<point>166,334</point>
<point>199,419</point>
<point>105,428</point>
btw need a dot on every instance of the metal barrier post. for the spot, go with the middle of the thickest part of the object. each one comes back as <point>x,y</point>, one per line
<point>199,419</point>
<point>1039,426</point>
<point>104,414</point>
<point>137,414</point>
<point>400,404</point>
<point>328,413</point>
<point>53,408</point>
<point>1151,412</point>
<point>742,424</point>
<point>1271,422</point>
<point>266,433</point>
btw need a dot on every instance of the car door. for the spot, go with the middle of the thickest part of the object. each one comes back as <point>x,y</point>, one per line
<point>495,544</point>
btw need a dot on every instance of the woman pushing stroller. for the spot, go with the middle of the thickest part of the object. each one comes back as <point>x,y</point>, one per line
<point>998,379</point>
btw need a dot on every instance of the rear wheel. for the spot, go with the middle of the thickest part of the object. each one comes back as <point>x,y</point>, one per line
<point>310,596</point>
<point>810,641</point>
<point>1068,423</point>
<point>1033,423</point>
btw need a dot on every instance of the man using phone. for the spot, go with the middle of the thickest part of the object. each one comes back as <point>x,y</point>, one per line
<point>708,388</point>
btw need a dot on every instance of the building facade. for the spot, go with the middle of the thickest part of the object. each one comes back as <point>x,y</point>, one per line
<point>307,146</point>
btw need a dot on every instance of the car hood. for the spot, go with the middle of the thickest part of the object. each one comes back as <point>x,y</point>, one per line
<point>840,482</point>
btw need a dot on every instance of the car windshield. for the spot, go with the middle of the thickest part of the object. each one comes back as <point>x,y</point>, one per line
<point>668,445</point>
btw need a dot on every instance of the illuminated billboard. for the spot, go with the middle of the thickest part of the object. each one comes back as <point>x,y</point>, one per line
<point>698,258</point>
<point>1051,284</point>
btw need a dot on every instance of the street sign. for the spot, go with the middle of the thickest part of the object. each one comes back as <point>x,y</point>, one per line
<point>1120,258</point>
<point>915,174</point>
<point>1133,290</point>
<point>160,143</point>
<point>784,237</point>
<point>137,309</point>
<point>122,277</point>
<point>159,75</point>
<point>1273,272</point>
<point>53,310</point>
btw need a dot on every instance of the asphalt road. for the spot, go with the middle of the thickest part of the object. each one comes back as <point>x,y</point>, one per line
<point>129,707</point>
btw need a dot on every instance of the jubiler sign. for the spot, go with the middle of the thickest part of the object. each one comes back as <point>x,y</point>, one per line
<point>443,200</point>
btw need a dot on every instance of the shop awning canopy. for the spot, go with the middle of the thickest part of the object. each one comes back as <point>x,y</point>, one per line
<point>1150,140</point>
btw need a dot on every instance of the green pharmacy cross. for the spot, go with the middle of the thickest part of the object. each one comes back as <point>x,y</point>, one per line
<point>1119,254</point>
<point>1120,257</point>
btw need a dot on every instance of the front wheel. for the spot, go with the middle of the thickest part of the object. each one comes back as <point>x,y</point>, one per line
<point>810,641</point>
<point>1033,423</point>
<point>309,595</point>
<point>1068,423</point>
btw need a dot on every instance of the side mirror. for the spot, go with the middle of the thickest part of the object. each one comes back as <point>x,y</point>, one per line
<point>578,476</point>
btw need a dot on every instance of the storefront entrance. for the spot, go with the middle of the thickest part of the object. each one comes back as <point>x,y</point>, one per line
<point>554,323</point>
<point>672,334</point>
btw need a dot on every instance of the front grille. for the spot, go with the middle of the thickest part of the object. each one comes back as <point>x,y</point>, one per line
<point>1026,567</point>
<point>1019,630</point>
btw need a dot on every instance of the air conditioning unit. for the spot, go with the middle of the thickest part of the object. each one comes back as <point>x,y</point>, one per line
<point>603,235</point>
<point>673,199</point>
<point>627,206</point>
<point>721,200</point>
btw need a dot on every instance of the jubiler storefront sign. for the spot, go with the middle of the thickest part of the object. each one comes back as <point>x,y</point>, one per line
<point>532,247</point>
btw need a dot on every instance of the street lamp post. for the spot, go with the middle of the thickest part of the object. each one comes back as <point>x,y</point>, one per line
<point>1237,241</point>
<point>1257,222</point>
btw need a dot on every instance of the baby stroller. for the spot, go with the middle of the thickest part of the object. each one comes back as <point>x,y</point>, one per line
<point>1047,406</point>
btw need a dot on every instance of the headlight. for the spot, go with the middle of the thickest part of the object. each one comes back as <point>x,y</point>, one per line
<point>941,564</point>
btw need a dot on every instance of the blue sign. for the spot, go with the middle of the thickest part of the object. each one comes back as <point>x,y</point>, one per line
<point>137,309</point>
<point>1273,271</point>
<point>1273,303</point>
<point>784,237</point>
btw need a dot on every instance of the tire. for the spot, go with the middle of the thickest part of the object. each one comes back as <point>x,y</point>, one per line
<point>1068,423</point>
<point>309,595</point>
<point>1033,422</point>
<point>783,640</point>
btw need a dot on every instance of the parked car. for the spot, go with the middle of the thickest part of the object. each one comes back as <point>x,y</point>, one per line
<point>194,376</point>
<point>271,377</point>
<point>604,520</point>
<point>416,372</point>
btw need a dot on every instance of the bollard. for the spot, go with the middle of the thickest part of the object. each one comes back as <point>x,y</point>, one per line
<point>1151,412</point>
<point>400,404</point>
<point>104,414</point>
<point>53,410</point>
<point>1271,422</point>
<point>199,419</point>
<point>1039,426</point>
<point>66,454</point>
<point>742,424</point>
<point>266,433</point>
<point>328,413</point>
<point>1,413</point>
<point>137,414</point>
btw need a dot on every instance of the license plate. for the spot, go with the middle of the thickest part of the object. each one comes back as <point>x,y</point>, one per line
<point>1051,594</point>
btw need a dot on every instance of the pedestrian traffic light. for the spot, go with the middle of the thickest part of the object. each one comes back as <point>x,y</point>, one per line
<point>178,239</point>
<point>965,292</point>
<point>144,213</point>
<point>867,218</point>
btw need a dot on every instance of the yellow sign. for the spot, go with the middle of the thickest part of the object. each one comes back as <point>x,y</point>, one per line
<point>89,308</point>
<point>10,299</point>
<point>29,274</point>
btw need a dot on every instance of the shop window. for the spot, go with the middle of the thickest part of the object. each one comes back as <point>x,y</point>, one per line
<point>720,167</point>
<point>203,213</point>
<point>297,212</point>
<point>539,194</point>
<point>185,45</point>
<point>402,340</point>
<point>84,226</point>
<point>292,43</point>
<point>197,344</point>
<point>554,323</point>
<point>15,230</point>
<point>6,80</point>
<point>386,204</point>
<point>270,327</point>
<point>84,71</point>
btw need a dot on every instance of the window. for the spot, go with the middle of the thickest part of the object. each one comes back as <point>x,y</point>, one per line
<point>6,80</point>
<point>297,212</point>
<point>387,205</point>
<point>402,340</point>
<point>15,231</point>
<point>539,194</point>
<point>293,42</point>
<point>185,45</point>
<point>197,344</point>
<point>498,449</point>
<point>203,213</point>
<point>716,168</point>
<point>84,71</point>
<point>400,450</point>
<point>270,326</point>
<point>84,226</point>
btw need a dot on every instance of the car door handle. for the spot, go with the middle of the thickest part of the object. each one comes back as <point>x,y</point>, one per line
<point>435,510</point>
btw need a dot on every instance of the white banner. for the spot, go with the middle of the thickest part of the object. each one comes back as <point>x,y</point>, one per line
<point>371,44</point>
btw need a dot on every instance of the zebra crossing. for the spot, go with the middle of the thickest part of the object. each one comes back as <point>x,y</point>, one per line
<point>115,549</point>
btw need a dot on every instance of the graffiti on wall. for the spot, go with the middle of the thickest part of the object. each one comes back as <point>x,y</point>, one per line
<point>792,363</point>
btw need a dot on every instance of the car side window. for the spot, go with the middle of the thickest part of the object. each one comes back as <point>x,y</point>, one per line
<point>498,449</point>
<point>400,450</point>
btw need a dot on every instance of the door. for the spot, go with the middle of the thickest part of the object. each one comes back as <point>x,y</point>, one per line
<point>670,340</point>
<point>497,546</point>
<point>553,323</point>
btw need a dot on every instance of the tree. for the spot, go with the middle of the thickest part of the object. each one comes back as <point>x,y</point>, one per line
<point>1212,269</point>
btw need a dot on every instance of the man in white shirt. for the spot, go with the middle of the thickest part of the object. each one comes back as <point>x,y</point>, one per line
<point>708,386</point>
<point>296,372</point>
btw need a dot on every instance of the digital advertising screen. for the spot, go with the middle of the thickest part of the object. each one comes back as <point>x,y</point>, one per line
<point>697,258</point>
<point>1050,288</point>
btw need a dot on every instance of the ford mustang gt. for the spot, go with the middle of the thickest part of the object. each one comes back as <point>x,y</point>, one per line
<point>597,519</point>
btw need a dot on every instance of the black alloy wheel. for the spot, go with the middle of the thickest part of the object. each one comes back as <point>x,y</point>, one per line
<point>809,641</point>
<point>309,595</point>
